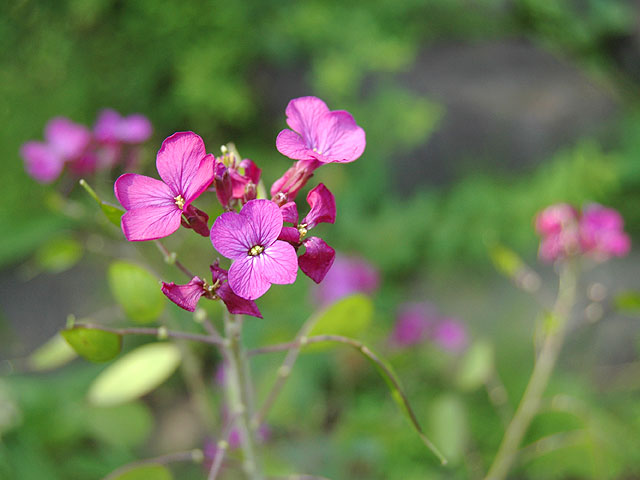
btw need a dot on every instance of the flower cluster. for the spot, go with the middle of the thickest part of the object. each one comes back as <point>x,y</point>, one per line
<point>84,151</point>
<point>420,322</point>
<point>597,232</point>
<point>251,231</point>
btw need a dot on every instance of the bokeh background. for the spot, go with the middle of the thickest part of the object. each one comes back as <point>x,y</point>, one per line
<point>478,114</point>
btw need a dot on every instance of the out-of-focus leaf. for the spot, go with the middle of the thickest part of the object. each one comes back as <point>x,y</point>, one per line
<point>59,254</point>
<point>153,471</point>
<point>93,344</point>
<point>628,302</point>
<point>137,291</point>
<point>113,213</point>
<point>448,420</point>
<point>54,353</point>
<point>127,425</point>
<point>476,366</point>
<point>506,260</point>
<point>348,317</point>
<point>135,374</point>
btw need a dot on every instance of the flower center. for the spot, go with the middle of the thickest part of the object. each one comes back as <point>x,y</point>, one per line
<point>256,250</point>
<point>179,201</point>
<point>317,151</point>
<point>210,290</point>
<point>302,229</point>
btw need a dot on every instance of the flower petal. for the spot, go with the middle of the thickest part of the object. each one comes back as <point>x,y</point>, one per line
<point>106,127</point>
<point>279,263</point>
<point>246,277</point>
<point>138,191</point>
<point>151,223</point>
<point>67,138</point>
<point>41,161</point>
<point>185,296</point>
<point>135,128</point>
<point>323,207</point>
<point>232,235</point>
<point>236,304</point>
<point>184,165</point>
<point>290,234</point>
<point>290,212</point>
<point>304,113</point>
<point>339,138</point>
<point>292,145</point>
<point>266,220</point>
<point>317,259</point>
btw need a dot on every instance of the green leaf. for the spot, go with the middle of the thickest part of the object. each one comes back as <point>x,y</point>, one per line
<point>137,291</point>
<point>476,366</point>
<point>628,302</point>
<point>127,425</point>
<point>153,471</point>
<point>113,213</point>
<point>93,344</point>
<point>54,353</point>
<point>506,260</point>
<point>135,374</point>
<point>348,317</point>
<point>59,254</point>
<point>448,420</point>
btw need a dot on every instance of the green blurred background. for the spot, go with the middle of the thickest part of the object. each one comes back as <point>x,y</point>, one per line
<point>477,113</point>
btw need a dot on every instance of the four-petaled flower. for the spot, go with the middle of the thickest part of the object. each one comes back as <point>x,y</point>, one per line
<point>154,207</point>
<point>319,133</point>
<point>318,256</point>
<point>187,296</point>
<point>250,239</point>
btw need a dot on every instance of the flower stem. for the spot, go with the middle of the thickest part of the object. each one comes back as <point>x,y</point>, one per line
<point>238,394</point>
<point>544,364</point>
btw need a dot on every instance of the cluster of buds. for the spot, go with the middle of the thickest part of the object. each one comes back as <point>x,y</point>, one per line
<point>251,231</point>
<point>83,151</point>
<point>596,232</point>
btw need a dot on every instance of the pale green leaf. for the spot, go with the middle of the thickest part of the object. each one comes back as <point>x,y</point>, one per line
<point>54,353</point>
<point>349,317</point>
<point>476,366</point>
<point>135,374</point>
<point>127,425</point>
<point>153,471</point>
<point>137,291</point>
<point>93,344</point>
<point>449,429</point>
<point>59,254</point>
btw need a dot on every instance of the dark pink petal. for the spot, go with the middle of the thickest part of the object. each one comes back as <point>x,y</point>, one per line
<point>317,259</point>
<point>294,179</point>
<point>239,183</point>
<point>67,138</point>
<point>279,263</point>
<point>151,223</point>
<point>292,145</point>
<point>554,218</point>
<point>251,170</point>
<point>246,277</point>
<point>304,113</point>
<point>107,125</point>
<point>195,219</point>
<point>184,165</point>
<point>232,235</point>
<point>323,207</point>
<point>290,212</point>
<point>138,191</point>
<point>235,304</point>
<point>41,162</point>
<point>85,164</point>
<point>135,128</point>
<point>266,220</point>
<point>339,138</point>
<point>185,296</point>
<point>291,235</point>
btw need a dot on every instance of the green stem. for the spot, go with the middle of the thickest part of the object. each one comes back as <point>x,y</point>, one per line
<point>530,402</point>
<point>238,396</point>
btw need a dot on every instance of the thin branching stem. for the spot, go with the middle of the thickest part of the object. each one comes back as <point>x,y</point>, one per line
<point>170,257</point>
<point>195,456</point>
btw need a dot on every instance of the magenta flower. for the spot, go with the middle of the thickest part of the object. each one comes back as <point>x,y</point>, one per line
<point>602,232</point>
<point>319,133</point>
<point>41,162</point>
<point>347,275</point>
<point>187,296</point>
<point>318,256</point>
<point>414,324</point>
<point>250,239</point>
<point>287,187</point>
<point>235,180</point>
<point>557,226</point>
<point>154,207</point>
<point>555,218</point>
<point>113,128</point>
<point>450,335</point>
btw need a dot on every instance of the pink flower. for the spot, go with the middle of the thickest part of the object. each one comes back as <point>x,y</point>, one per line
<point>413,324</point>
<point>555,218</point>
<point>558,227</point>
<point>41,161</point>
<point>602,232</point>
<point>287,187</point>
<point>319,133</point>
<point>235,180</point>
<point>347,275</point>
<point>451,335</point>
<point>154,207</point>
<point>187,296</point>
<point>112,128</point>
<point>250,239</point>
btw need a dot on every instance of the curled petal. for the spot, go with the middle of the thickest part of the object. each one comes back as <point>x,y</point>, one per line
<point>151,223</point>
<point>290,212</point>
<point>246,278</point>
<point>317,259</point>
<point>138,191</point>
<point>41,162</point>
<point>232,235</point>
<point>266,220</point>
<point>236,304</point>
<point>185,296</point>
<point>251,170</point>
<point>323,207</point>
<point>291,235</point>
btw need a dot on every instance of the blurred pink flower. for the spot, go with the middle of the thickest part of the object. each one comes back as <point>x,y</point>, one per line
<point>602,232</point>
<point>414,324</point>
<point>348,275</point>
<point>450,334</point>
<point>113,128</point>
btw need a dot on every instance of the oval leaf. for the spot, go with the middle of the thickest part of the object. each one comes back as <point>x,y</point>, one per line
<point>137,291</point>
<point>59,254</point>
<point>93,344</point>
<point>628,302</point>
<point>113,213</point>
<point>448,422</point>
<point>54,353</point>
<point>152,471</point>
<point>135,374</point>
<point>348,316</point>
<point>127,425</point>
<point>476,366</point>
